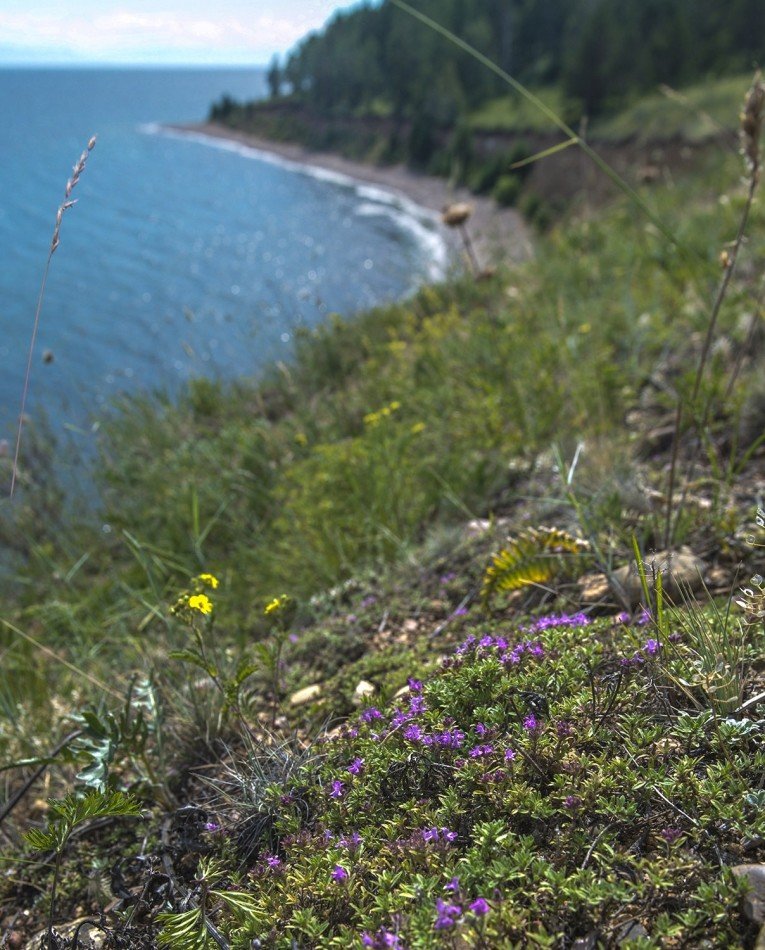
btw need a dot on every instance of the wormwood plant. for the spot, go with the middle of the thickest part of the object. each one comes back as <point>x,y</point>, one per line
<point>66,816</point>
<point>194,929</point>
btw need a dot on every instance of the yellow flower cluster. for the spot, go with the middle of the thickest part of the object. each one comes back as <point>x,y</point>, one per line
<point>208,580</point>
<point>375,418</point>
<point>194,601</point>
<point>201,602</point>
<point>276,605</point>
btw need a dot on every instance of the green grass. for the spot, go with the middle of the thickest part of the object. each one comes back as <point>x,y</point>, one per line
<point>511,113</point>
<point>693,114</point>
<point>699,112</point>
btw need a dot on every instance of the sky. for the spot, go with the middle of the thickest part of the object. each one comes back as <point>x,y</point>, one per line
<point>153,32</point>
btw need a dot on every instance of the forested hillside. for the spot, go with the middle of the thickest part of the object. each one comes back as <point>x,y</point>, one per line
<point>600,51</point>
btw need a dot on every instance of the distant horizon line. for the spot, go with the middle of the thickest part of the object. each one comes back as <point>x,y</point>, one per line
<point>92,64</point>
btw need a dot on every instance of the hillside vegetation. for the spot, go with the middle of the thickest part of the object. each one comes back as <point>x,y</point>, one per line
<point>392,647</point>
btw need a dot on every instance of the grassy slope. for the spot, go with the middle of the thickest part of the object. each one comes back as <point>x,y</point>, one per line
<point>693,114</point>
<point>303,480</point>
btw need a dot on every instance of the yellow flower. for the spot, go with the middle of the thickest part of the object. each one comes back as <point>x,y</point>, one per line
<point>201,602</point>
<point>278,603</point>
<point>418,427</point>
<point>209,580</point>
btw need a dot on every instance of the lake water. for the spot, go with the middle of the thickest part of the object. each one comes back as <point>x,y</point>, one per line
<point>182,257</point>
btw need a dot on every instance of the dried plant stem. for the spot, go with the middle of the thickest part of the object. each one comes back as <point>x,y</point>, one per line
<point>751,128</point>
<point>55,241</point>
<point>469,250</point>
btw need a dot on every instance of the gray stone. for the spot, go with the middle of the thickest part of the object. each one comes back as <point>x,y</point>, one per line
<point>631,931</point>
<point>680,571</point>
<point>754,902</point>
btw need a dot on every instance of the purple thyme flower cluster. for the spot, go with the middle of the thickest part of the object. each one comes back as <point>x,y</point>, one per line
<point>651,647</point>
<point>435,835</point>
<point>382,940</point>
<point>559,620</point>
<point>447,914</point>
<point>501,646</point>
<point>439,838</point>
<point>670,835</point>
<point>478,751</point>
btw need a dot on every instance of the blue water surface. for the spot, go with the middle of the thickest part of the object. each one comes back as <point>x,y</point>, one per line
<point>180,258</point>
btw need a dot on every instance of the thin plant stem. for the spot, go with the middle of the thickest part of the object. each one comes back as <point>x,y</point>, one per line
<point>55,240</point>
<point>54,888</point>
<point>60,659</point>
<point>751,128</point>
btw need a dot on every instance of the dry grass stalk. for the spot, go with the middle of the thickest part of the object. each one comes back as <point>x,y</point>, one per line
<point>751,125</point>
<point>55,241</point>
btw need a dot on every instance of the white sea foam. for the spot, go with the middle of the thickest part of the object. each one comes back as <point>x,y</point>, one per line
<point>420,222</point>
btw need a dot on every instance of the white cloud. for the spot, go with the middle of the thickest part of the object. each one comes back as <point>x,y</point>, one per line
<point>126,34</point>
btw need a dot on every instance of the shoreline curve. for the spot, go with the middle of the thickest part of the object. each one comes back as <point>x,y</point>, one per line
<point>499,234</point>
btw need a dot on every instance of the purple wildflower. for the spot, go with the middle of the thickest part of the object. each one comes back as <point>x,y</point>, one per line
<point>572,801</point>
<point>563,728</point>
<point>369,714</point>
<point>382,940</point>
<point>448,835</point>
<point>212,826</point>
<point>480,729</point>
<point>351,618</point>
<point>480,750</point>
<point>446,914</point>
<point>652,646</point>
<point>351,841</point>
<point>509,755</point>
<point>413,733</point>
<point>460,612</point>
<point>479,907</point>
<point>451,738</point>
<point>623,617</point>
<point>560,620</point>
<point>416,705</point>
<point>339,874</point>
<point>453,885</point>
<point>430,835</point>
<point>415,686</point>
<point>447,578</point>
<point>670,835</point>
<point>368,601</point>
<point>338,789</point>
<point>531,723</point>
<point>356,766</point>
<point>273,861</point>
